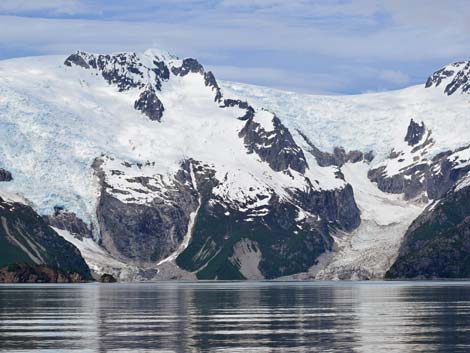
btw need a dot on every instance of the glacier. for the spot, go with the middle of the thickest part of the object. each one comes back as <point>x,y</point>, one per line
<point>56,119</point>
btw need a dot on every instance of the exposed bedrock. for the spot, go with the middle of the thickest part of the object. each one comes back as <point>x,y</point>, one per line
<point>5,175</point>
<point>339,157</point>
<point>63,219</point>
<point>437,244</point>
<point>414,133</point>
<point>276,147</point>
<point>421,172</point>
<point>145,232</point>
<point>283,245</point>
<point>456,78</point>
<point>149,104</point>
<point>26,238</point>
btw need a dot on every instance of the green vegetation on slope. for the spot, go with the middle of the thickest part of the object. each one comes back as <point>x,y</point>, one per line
<point>26,238</point>
<point>437,244</point>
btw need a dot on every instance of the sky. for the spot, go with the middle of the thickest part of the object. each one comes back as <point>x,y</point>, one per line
<point>320,47</point>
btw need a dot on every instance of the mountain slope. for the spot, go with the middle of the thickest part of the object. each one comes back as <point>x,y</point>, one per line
<point>413,165</point>
<point>154,171</point>
<point>145,150</point>
<point>26,238</point>
<point>437,245</point>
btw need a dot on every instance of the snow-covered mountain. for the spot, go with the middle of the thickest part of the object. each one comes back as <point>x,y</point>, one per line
<point>421,142</point>
<point>154,171</point>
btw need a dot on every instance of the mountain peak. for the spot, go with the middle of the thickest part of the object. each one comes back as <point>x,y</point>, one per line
<point>455,77</point>
<point>163,54</point>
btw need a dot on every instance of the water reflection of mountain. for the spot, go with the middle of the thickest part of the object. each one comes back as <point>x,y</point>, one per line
<point>233,317</point>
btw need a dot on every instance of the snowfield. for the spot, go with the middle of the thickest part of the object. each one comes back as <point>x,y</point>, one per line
<point>365,122</point>
<point>55,120</point>
<point>61,118</point>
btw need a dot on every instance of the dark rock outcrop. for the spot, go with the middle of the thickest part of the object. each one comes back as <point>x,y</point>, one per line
<point>339,157</point>
<point>192,65</point>
<point>435,177</point>
<point>286,246</point>
<point>415,133</point>
<point>107,278</point>
<point>188,65</point>
<point>5,175</point>
<point>456,77</point>
<point>249,110</point>
<point>150,105</point>
<point>209,80</point>
<point>276,147</point>
<point>337,207</point>
<point>69,221</point>
<point>76,59</point>
<point>26,238</point>
<point>432,175</point>
<point>437,77</point>
<point>145,232</point>
<point>437,244</point>
<point>123,69</point>
<point>286,243</point>
<point>28,273</point>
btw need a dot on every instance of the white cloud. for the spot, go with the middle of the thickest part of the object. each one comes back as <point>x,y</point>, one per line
<point>311,82</point>
<point>56,6</point>
<point>395,77</point>
<point>300,44</point>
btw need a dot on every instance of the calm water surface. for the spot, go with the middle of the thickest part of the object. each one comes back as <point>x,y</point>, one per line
<point>236,317</point>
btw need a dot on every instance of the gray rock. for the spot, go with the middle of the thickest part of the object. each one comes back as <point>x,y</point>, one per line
<point>26,238</point>
<point>437,77</point>
<point>192,65</point>
<point>339,156</point>
<point>161,72</point>
<point>415,133</point>
<point>116,69</point>
<point>338,207</point>
<point>434,177</point>
<point>188,65</point>
<point>277,147</point>
<point>69,221</point>
<point>150,105</point>
<point>5,175</point>
<point>437,243</point>
<point>76,59</point>
<point>145,233</point>
<point>458,73</point>
<point>209,80</point>
<point>249,110</point>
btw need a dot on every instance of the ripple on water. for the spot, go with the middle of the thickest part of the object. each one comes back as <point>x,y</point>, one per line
<point>236,317</point>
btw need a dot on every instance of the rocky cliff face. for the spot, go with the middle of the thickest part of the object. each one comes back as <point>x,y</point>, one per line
<point>198,215</point>
<point>62,219</point>
<point>414,171</point>
<point>454,77</point>
<point>5,175</point>
<point>273,145</point>
<point>146,221</point>
<point>437,244</point>
<point>288,235</point>
<point>26,238</point>
<point>159,173</point>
